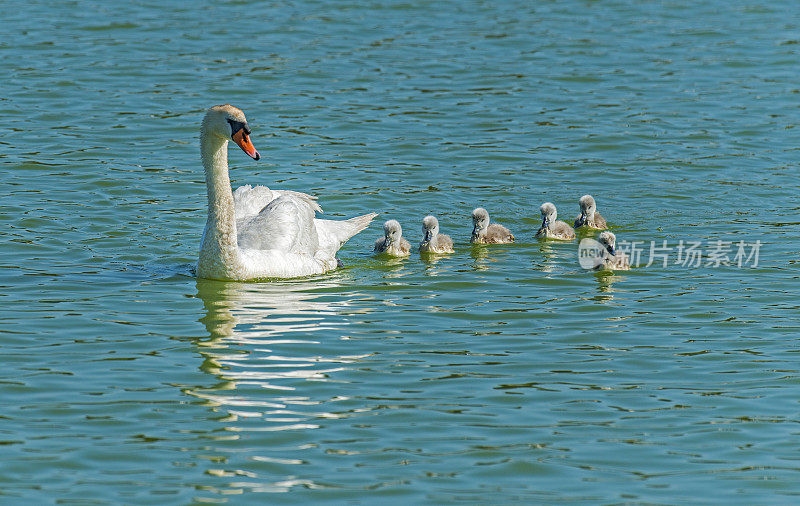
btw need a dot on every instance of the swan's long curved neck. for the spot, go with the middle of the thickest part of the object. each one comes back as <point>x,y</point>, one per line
<point>220,232</point>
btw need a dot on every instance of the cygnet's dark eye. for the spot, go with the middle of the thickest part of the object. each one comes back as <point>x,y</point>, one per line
<point>238,125</point>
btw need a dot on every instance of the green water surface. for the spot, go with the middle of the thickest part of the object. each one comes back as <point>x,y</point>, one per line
<point>495,375</point>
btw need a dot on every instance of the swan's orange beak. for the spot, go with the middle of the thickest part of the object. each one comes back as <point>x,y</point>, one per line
<point>243,140</point>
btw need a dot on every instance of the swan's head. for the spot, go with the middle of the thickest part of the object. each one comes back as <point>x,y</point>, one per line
<point>392,231</point>
<point>227,122</point>
<point>549,214</point>
<point>430,227</point>
<point>480,219</point>
<point>588,206</point>
<point>608,240</point>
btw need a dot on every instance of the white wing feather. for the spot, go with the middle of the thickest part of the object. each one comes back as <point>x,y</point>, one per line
<point>285,224</point>
<point>250,200</point>
<point>332,233</point>
<point>278,235</point>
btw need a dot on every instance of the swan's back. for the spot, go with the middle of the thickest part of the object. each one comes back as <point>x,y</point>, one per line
<point>498,234</point>
<point>558,230</point>
<point>618,262</point>
<point>562,230</point>
<point>248,201</point>
<point>285,224</point>
<point>442,243</point>
<point>402,248</point>
<point>399,248</point>
<point>597,222</point>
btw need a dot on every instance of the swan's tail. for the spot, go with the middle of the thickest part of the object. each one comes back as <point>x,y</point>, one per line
<point>333,233</point>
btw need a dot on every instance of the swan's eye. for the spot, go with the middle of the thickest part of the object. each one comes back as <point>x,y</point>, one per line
<point>238,125</point>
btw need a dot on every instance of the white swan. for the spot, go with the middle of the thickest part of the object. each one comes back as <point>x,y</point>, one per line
<point>256,232</point>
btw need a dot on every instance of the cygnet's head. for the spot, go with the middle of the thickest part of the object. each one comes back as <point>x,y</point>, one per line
<point>430,227</point>
<point>608,240</point>
<point>549,213</point>
<point>480,219</point>
<point>228,123</point>
<point>392,231</point>
<point>587,205</point>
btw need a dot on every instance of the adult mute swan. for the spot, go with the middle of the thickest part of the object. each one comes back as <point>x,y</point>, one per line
<point>256,232</point>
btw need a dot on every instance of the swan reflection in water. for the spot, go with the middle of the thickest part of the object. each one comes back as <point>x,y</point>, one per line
<point>265,342</point>
<point>484,255</point>
<point>605,286</point>
<point>552,257</point>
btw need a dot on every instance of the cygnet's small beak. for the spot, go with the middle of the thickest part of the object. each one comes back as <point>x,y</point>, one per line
<point>243,141</point>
